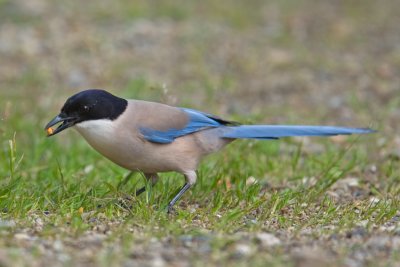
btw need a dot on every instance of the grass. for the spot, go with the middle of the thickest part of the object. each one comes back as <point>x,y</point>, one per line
<point>329,201</point>
<point>58,179</point>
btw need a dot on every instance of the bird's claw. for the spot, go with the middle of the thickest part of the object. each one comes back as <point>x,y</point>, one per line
<point>171,210</point>
<point>125,202</point>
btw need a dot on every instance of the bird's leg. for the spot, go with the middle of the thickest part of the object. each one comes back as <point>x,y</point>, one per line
<point>153,177</point>
<point>140,190</point>
<point>190,178</point>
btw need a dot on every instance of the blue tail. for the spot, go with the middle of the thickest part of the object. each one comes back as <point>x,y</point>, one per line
<point>278,131</point>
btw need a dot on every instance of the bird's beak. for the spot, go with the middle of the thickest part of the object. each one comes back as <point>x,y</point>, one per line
<point>66,123</point>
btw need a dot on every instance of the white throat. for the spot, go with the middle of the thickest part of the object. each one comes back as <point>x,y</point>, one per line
<point>96,131</point>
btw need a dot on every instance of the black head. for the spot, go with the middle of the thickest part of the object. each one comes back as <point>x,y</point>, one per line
<point>92,104</point>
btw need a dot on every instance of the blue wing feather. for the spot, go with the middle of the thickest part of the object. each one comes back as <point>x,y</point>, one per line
<point>197,122</point>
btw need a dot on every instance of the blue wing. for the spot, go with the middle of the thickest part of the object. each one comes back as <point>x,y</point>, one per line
<point>197,121</point>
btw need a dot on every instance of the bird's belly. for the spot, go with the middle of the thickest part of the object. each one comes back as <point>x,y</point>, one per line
<point>136,154</point>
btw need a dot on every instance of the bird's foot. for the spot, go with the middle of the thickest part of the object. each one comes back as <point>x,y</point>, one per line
<point>171,210</point>
<point>125,202</point>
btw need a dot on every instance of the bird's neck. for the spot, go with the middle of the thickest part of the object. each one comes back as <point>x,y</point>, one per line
<point>96,132</point>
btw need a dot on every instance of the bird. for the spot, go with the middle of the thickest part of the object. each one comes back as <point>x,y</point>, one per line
<point>152,137</point>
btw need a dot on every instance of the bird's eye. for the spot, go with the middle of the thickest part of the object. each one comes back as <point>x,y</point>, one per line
<point>86,108</point>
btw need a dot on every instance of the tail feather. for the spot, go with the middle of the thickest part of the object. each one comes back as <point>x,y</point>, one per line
<point>278,131</point>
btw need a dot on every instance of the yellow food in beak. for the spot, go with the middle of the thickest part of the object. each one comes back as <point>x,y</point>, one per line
<point>49,131</point>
